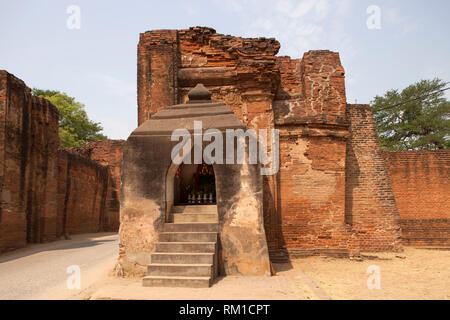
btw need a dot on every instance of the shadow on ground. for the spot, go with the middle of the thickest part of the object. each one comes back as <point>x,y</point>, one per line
<point>76,243</point>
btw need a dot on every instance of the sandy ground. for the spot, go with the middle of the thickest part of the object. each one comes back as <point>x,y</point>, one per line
<point>412,274</point>
<point>227,288</point>
<point>39,272</point>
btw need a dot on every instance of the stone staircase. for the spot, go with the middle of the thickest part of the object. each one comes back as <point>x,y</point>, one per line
<point>186,254</point>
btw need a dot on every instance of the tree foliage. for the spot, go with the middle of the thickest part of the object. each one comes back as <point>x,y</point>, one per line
<point>75,128</point>
<point>416,118</point>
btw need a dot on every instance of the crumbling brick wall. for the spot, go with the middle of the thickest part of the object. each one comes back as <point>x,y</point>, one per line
<point>107,153</point>
<point>421,183</point>
<point>34,179</point>
<point>370,204</point>
<point>304,204</point>
<point>29,139</point>
<point>309,110</point>
<point>82,190</point>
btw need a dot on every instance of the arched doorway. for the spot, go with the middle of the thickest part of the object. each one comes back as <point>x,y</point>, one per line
<point>194,184</point>
<point>190,184</point>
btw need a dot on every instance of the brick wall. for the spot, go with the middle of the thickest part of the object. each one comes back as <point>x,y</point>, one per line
<point>108,153</point>
<point>421,184</point>
<point>370,204</point>
<point>157,72</point>
<point>312,196</point>
<point>304,205</point>
<point>37,189</point>
<point>309,110</point>
<point>82,193</point>
<point>29,138</point>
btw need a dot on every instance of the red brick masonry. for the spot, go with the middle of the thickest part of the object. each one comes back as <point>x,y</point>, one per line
<point>335,192</point>
<point>421,184</point>
<point>46,192</point>
<point>332,193</point>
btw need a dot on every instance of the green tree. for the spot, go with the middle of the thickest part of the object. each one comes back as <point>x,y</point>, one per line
<point>75,128</point>
<point>416,118</point>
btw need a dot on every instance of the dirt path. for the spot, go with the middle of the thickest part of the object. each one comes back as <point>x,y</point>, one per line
<point>413,274</point>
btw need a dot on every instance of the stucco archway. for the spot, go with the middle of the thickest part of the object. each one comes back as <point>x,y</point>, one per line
<point>170,188</point>
<point>148,189</point>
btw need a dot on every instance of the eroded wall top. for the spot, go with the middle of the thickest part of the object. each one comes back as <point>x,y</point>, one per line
<point>263,90</point>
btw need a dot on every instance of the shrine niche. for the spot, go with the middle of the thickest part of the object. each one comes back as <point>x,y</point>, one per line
<point>194,184</point>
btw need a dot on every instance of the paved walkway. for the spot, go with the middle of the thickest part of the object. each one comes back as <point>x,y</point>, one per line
<point>40,271</point>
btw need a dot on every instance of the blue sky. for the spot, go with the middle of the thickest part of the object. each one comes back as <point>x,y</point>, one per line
<point>96,64</point>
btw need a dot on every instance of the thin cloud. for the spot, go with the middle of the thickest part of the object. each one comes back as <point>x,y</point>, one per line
<point>402,24</point>
<point>303,8</point>
<point>118,87</point>
<point>298,25</point>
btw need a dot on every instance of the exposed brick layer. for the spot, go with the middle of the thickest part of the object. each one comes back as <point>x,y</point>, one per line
<point>306,203</point>
<point>312,193</point>
<point>421,183</point>
<point>427,232</point>
<point>107,153</point>
<point>81,178</point>
<point>29,140</point>
<point>40,185</point>
<point>370,204</point>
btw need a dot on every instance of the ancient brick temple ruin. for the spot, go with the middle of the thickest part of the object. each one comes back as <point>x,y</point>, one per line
<point>332,194</point>
<point>335,192</point>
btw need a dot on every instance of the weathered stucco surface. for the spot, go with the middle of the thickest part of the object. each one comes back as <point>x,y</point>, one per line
<point>243,240</point>
<point>146,196</point>
<point>138,231</point>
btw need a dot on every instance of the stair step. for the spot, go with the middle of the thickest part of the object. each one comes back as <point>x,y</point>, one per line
<point>194,217</point>
<point>190,247</point>
<point>191,227</point>
<point>170,281</point>
<point>195,209</point>
<point>185,255</point>
<point>185,270</point>
<point>182,258</point>
<point>188,237</point>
